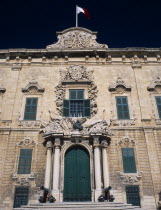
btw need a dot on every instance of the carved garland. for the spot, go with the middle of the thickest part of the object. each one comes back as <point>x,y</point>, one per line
<point>76,74</point>
<point>129,178</point>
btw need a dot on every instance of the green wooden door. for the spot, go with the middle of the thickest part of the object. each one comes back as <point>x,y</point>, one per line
<point>77,175</point>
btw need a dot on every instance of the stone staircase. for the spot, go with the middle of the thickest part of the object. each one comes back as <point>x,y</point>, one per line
<point>79,206</point>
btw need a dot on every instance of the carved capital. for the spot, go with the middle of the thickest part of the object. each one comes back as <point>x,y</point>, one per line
<point>49,145</point>
<point>104,144</point>
<point>129,178</point>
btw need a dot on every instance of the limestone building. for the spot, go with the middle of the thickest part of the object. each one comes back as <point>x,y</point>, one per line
<point>78,117</point>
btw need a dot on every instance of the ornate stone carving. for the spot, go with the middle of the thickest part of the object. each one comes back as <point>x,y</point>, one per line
<point>64,126</point>
<point>33,87</point>
<point>126,141</point>
<point>119,86</point>
<point>155,85</point>
<point>129,178</point>
<point>2,89</point>
<point>23,179</point>
<point>76,38</point>
<point>122,123</point>
<point>29,124</point>
<point>26,142</point>
<point>76,73</point>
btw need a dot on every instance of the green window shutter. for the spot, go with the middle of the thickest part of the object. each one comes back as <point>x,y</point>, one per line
<point>66,108</point>
<point>87,108</point>
<point>158,102</point>
<point>21,196</point>
<point>30,109</point>
<point>24,166</point>
<point>122,108</point>
<point>128,158</point>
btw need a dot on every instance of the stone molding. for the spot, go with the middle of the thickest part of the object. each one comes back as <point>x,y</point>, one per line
<point>27,142</point>
<point>24,179</point>
<point>119,86</point>
<point>76,74</point>
<point>126,141</point>
<point>155,86</point>
<point>77,38</point>
<point>130,179</point>
<point>33,87</point>
<point>2,89</point>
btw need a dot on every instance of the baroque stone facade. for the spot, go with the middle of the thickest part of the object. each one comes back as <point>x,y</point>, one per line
<point>78,62</point>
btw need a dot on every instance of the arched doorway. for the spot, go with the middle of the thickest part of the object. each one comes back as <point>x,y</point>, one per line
<point>77,175</point>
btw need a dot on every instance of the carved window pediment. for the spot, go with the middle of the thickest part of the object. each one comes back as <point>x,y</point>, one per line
<point>26,142</point>
<point>119,86</point>
<point>77,38</point>
<point>33,87</point>
<point>155,86</point>
<point>2,89</point>
<point>126,142</point>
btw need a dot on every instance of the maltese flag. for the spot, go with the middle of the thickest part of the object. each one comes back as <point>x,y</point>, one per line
<point>85,11</point>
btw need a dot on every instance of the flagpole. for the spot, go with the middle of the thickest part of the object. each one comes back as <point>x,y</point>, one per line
<point>76,17</point>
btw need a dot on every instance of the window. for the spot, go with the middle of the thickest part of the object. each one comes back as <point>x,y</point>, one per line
<point>30,109</point>
<point>24,166</point>
<point>21,196</point>
<point>122,108</point>
<point>76,106</point>
<point>132,195</point>
<point>128,158</point>
<point>158,102</point>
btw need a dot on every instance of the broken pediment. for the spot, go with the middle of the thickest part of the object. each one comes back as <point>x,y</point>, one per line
<point>33,87</point>
<point>119,86</point>
<point>155,85</point>
<point>76,38</point>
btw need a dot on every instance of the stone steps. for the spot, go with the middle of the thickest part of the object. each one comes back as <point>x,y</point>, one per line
<point>80,206</point>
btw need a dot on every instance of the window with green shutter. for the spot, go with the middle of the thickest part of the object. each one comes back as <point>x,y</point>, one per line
<point>21,196</point>
<point>128,158</point>
<point>30,109</point>
<point>25,159</point>
<point>158,102</point>
<point>76,106</point>
<point>133,195</point>
<point>122,108</point>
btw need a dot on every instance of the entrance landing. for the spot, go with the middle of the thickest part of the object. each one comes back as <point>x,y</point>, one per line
<point>80,206</point>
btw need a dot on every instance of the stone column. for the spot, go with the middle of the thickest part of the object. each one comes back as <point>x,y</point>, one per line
<point>48,165</point>
<point>106,177</point>
<point>56,170</point>
<point>97,166</point>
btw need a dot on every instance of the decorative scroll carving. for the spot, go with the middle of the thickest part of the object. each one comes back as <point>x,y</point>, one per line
<point>122,123</point>
<point>26,142</point>
<point>33,87</point>
<point>64,126</point>
<point>29,124</point>
<point>155,85</point>
<point>119,86</point>
<point>126,141</point>
<point>129,178</point>
<point>76,38</point>
<point>2,89</point>
<point>23,179</point>
<point>76,73</point>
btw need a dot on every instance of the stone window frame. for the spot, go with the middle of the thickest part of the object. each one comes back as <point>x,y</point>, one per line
<point>155,114</point>
<point>26,143</point>
<point>39,106</point>
<point>114,116</point>
<point>128,142</point>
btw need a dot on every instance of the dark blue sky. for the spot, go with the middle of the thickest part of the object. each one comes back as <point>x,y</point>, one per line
<point>120,23</point>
